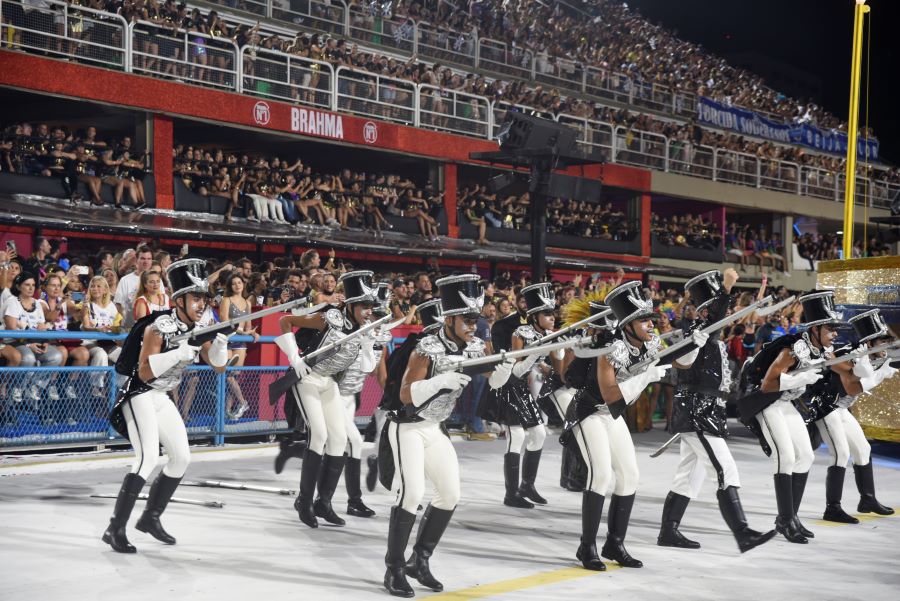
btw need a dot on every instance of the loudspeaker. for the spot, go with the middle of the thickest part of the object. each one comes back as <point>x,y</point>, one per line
<point>526,132</point>
<point>575,188</point>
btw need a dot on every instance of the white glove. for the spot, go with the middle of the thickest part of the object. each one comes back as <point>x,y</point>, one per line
<point>699,337</point>
<point>501,374</point>
<point>632,388</point>
<point>367,353</point>
<point>160,363</point>
<point>863,368</point>
<point>218,351</point>
<point>560,354</point>
<point>801,380</point>
<point>300,367</point>
<point>885,372</point>
<point>524,366</point>
<point>425,390</point>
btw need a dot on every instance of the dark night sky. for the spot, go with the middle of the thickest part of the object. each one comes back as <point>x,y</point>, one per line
<point>811,35</point>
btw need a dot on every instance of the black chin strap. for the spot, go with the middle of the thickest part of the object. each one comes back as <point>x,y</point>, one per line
<point>632,335</point>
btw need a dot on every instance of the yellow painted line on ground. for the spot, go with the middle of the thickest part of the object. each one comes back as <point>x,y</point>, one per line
<point>517,584</point>
<point>124,455</point>
<point>862,517</point>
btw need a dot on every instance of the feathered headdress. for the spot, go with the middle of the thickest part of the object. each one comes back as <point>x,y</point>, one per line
<point>580,308</point>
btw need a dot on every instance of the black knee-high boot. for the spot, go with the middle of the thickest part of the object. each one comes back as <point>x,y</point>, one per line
<point>591,513</point>
<point>399,529</point>
<point>288,448</point>
<point>865,482</point>
<point>733,512</point>
<point>162,490</point>
<point>431,529</point>
<point>798,486</point>
<point>355,505</point>
<point>785,523</point>
<point>673,511</point>
<point>332,466</point>
<point>309,475</point>
<point>372,474</point>
<point>115,532</point>
<point>834,490</point>
<point>530,463</point>
<point>573,469</point>
<point>614,547</point>
<point>511,479</point>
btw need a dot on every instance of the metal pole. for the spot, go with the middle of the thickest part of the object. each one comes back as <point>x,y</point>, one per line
<point>852,126</point>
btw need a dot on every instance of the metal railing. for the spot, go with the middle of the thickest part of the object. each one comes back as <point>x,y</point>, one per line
<point>323,16</point>
<point>454,111</point>
<point>443,44</point>
<point>184,55</point>
<point>500,109</point>
<point>593,137</point>
<point>370,26</point>
<point>495,56</point>
<point>640,148</point>
<point>559,73</point>
<point>60,30</point>
<point>274,74</point>
<point>378,96</point>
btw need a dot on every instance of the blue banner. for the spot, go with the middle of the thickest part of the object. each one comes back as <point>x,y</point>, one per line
<point>749,123</point>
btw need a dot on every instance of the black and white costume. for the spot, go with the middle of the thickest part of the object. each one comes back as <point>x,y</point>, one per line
<point>513,402</point>
<point>840,430</point>
<point>145,413</point>
<point>699,416</point>
<point>775,416</point>
<point>603,435</point>
<point>319,399</point>
<point>421,447</point>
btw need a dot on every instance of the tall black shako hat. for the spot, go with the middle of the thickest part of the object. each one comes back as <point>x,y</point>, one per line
<point>382,298</point>
<point>461,295</point>
<point>818,309</point>
<point>358,287</point>
<point>704,288</point>
<point>187,275</point>
<point>538,298</point>
<point>869,326</point>
<point>628,304</point>
<point>430,315</point>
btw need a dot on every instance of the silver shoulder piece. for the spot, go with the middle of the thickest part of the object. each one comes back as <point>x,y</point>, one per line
<point>165,325</point>
<point>431,346</point>
<point>334,318</point>
<point>801,350</point>
<point>475,348</point>
<point>526,333</point>
<point>618,357</point>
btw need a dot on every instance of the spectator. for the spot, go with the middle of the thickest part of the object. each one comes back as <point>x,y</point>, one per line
<point>126,290</point>
<point>233,306</point>
<point>150,297</point>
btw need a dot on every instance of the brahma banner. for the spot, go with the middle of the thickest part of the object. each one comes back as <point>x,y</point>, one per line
<point>749,123</point>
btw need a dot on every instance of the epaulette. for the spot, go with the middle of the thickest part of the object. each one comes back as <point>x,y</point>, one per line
<point>430,346</point>
<point>526,333</point>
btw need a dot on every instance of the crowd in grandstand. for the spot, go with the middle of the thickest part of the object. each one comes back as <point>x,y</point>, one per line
<point>75,157</point>
<point>107,292</point>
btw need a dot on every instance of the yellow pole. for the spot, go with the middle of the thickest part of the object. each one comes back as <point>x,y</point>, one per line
<point>852,126</point>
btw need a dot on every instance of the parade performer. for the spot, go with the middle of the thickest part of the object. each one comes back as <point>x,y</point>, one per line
<point>317,394</point>
<point>842,385</point>
<point>429,314</point>
<point>606,386</point>
<point>512,403</point>
<point>145,414</point>
<point>699,416</point>
<point>418,441</point>
<point>770,405</point>
<point>350,384</point>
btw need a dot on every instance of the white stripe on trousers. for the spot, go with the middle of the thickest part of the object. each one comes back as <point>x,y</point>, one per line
<point>421,449</point>
<point>607,449</point>
<point>699,456</point>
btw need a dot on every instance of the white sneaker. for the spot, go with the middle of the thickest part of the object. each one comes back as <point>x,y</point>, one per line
<point>71,421</point>
<point>34,393</point>
<point>70,392</point>
<point>53,393</point>
<point>17,395</point>
<point>241,410</point>
<point>253,218</point>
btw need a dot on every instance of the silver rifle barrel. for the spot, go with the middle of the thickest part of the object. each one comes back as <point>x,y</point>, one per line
<point>224,325</point>
<point>355,334</point>
<point>574,326</point>
<point>455,364</point>
<point>848,357</point>
<point>707,330</point>
<point>777,306</point>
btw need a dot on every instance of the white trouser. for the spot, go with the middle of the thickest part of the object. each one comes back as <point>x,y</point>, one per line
<point>533,438</point>
<point>561,398</point>
<point>787,436</point>
<point>607,449</point>
<point>323,410</point>
<point>380,420</point>
<point>98,358</point>
<point>421,450</point>
<point>152,418</point>
<point>354,438</point>
<point>276,211</point>
<point>701,454</point>
<point>844,437</point>
<point>260,206</point>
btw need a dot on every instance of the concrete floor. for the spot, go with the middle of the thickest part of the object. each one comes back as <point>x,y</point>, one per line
<point>255,546</point>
